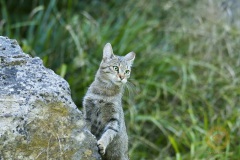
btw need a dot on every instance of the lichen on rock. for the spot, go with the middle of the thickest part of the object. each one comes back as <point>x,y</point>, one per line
<point>38,119</point>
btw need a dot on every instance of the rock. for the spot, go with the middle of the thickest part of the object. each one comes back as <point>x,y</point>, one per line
<point>38,119</point>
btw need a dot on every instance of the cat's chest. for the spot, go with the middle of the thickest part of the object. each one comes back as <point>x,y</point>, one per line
<point>104,106</point>
<point>105,110</point>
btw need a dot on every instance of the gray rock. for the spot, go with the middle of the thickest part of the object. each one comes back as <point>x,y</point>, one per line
<point>38,119</point>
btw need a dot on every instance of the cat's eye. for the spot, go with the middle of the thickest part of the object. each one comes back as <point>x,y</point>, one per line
<point>116,68</point>
<point>127,71</point>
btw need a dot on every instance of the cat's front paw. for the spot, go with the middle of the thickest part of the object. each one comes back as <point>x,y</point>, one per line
<point>101,147</point>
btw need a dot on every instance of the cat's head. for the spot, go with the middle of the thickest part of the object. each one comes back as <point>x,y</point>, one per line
<point>116,69</point>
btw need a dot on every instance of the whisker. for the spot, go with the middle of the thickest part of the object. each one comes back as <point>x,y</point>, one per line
<point>130,89</point>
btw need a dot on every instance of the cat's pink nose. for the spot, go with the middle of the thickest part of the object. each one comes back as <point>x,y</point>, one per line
<point>121,76</point>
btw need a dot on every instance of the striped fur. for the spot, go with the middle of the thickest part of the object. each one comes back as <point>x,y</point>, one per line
<point>103,107</point>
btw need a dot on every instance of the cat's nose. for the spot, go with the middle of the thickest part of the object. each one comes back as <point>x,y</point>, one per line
<point>121,76</point>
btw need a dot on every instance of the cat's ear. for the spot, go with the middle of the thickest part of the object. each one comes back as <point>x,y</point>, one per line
<point>130,57</point>
<point>107,51</point>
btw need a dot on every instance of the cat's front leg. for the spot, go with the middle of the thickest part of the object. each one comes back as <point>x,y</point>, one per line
<point>101,146</point>
<point>108,135</point>
<point>106,138</point>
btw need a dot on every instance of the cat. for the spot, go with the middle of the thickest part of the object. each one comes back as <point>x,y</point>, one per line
<point>102,105</point>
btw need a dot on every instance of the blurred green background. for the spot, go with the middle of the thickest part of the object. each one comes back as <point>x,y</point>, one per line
<point>183,99</point>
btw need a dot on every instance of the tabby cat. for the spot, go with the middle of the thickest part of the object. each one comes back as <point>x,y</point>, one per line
<point>103,107</point>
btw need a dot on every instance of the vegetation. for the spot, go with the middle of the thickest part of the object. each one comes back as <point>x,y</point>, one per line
<point>184,102</point>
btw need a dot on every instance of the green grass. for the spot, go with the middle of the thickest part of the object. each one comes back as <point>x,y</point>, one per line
<point>186,72</point>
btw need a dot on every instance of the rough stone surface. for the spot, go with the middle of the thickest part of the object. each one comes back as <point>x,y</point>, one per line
<point>38,119</point>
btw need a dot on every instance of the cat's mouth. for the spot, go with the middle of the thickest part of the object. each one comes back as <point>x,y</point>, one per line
<point>122,81</point>
<point>118,82</point>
